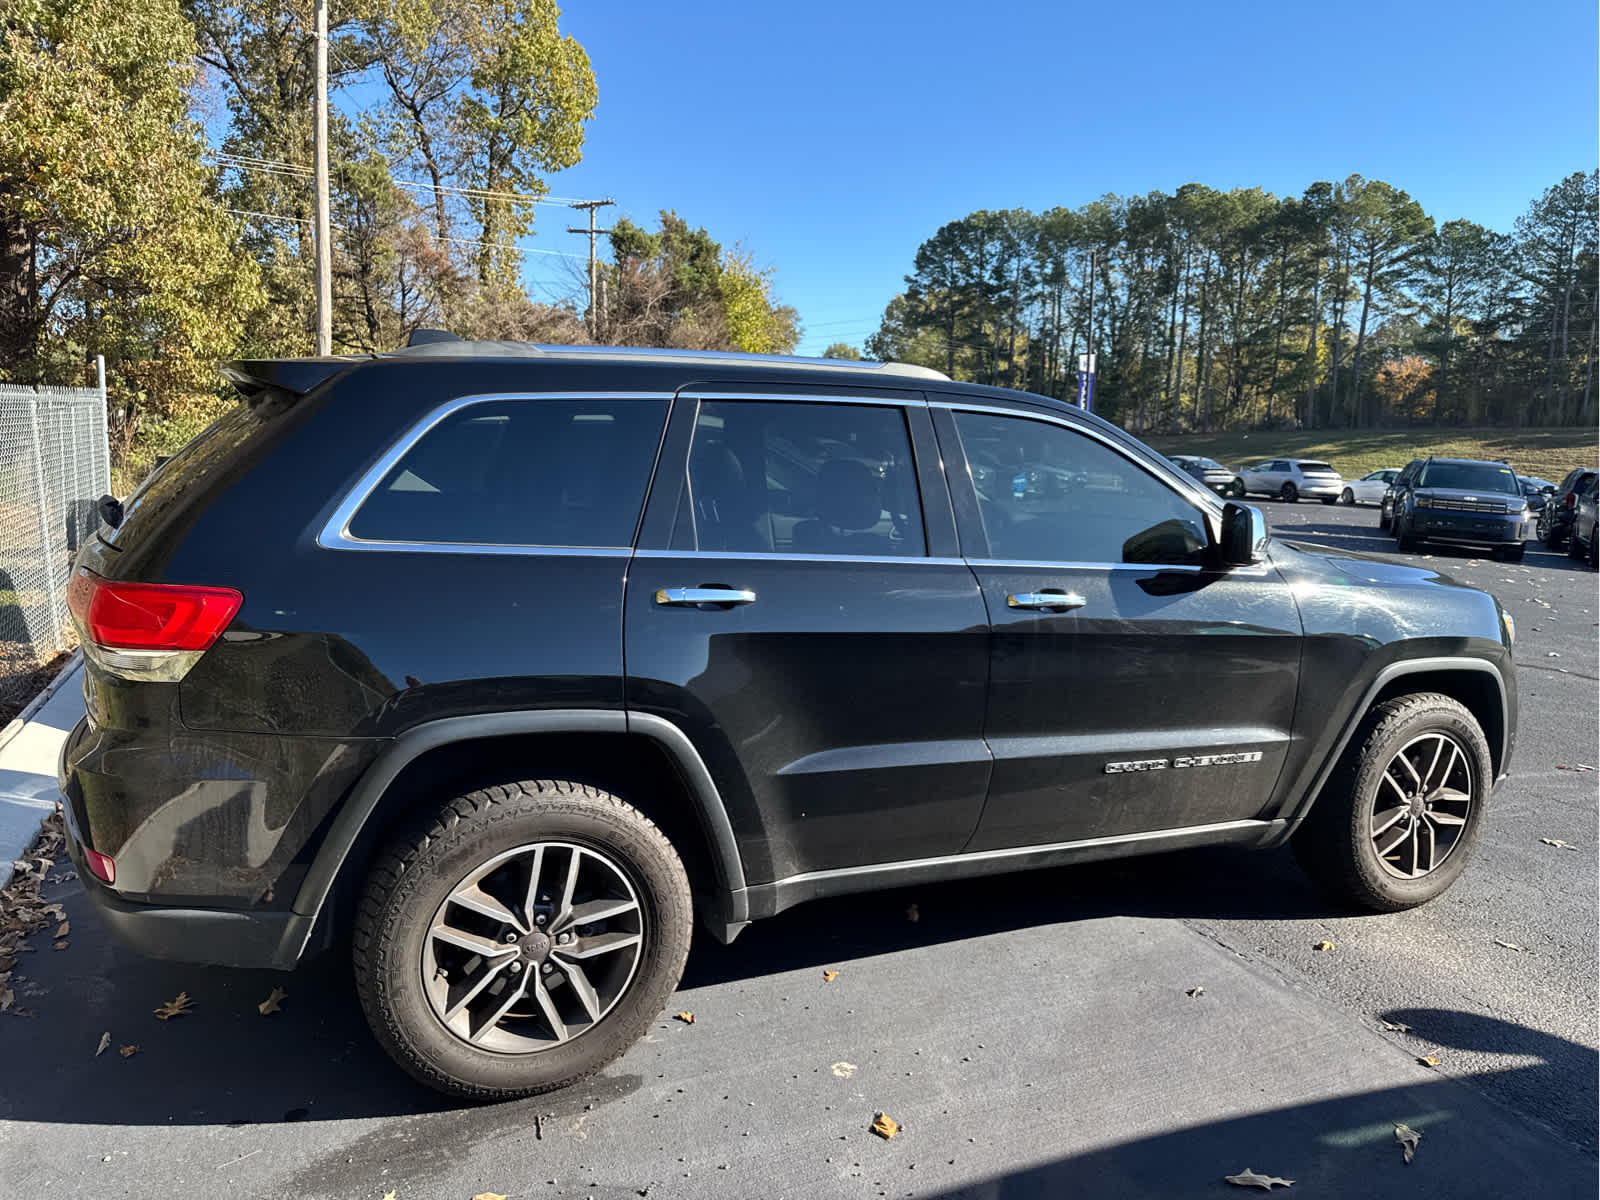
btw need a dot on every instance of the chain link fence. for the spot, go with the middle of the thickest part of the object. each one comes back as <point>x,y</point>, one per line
<point>54,465</point>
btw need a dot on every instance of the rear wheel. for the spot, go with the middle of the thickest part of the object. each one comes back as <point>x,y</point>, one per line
<point>1399,819</point>
<point>1549,530</point>
<point>1349,497</point>
<point>1238,489</point>
<point>523,938</point>
<point>1575,548</point>
<point>1288,493</point>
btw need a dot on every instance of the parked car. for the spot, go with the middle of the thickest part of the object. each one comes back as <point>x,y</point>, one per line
<point>1209,472</point>
<point>1555,518</point>
<point>1535,491</point>
<point>1581,541</point>
<point>1369,489</point>
<point>1408,475</point>
<point>534,656</point>
<point>1462,501</point>
<point>1290,478</point>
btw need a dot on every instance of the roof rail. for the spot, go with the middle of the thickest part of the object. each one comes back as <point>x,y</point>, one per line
<point>449,347</point>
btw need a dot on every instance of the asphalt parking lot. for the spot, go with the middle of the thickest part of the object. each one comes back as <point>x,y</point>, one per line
<point>1137,1028</point>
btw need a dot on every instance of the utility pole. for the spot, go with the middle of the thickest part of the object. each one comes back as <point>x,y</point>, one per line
<point>323,233</point>
<point>594,295</point>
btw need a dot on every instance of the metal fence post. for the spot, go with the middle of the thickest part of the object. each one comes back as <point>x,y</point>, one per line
<point>56,621</point>
<point>102,423</point>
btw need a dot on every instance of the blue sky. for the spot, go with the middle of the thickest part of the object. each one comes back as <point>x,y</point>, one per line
<point>831,139</point>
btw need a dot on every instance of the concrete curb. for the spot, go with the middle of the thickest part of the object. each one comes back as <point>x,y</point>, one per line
<point>14,726</point>
<point>29,746</point>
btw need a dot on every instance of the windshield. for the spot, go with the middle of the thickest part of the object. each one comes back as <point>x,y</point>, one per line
<point>1470,477</point>
<point>1319,468</point>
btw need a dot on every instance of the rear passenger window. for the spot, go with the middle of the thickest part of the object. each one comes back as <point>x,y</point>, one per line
<point>521,473</point>
<point>798,478</point>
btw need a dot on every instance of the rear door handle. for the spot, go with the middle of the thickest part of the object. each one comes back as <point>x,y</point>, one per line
<point>688,597</point>
<point>1045,600</point>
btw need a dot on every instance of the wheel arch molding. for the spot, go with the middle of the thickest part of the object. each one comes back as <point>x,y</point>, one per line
<point>1477,683</point>
<point>352,834</point>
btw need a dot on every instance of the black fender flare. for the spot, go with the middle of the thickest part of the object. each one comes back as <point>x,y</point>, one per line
<point>732,904</point>
<point>1411,666</point>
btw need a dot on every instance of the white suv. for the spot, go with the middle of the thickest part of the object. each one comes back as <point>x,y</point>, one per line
<point>1289,479</point>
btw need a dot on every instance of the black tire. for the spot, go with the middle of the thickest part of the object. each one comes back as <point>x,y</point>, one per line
<point>1575,549</point>
<point>1330,499</point>
<point>1550,532</point>
<point>1512,554</point>
<point>1383,517</point>
<point>1349,497</point>
<point>1594,549</point>
<point>1336,842</point>
<point>1404,541</point>
<point>406,893</point>
<point>1238,489</point>
<point>1288,493</point>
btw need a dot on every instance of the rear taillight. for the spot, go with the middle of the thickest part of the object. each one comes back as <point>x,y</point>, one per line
<point>1571,501</point>
<point>153,631</point>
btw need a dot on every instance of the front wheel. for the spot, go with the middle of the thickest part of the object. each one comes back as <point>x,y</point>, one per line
<point>1383,517</point>
<point>522,939</point>
<point>1513,554</point>
<point>1404,541</point>
<point>1238,489</point>
<point>1348,496</point>
<point>1574,546</point>
<point>1288,493</point>
<point>1399,819</point>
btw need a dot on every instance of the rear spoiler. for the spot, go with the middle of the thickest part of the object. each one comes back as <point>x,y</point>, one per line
<point>282,381</point>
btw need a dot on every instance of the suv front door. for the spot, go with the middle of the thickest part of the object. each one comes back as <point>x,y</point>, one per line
<point>837,695</point>
<point>1133,686</point>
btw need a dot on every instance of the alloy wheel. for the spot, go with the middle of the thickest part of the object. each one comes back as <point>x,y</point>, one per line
<point>533,947</point>
<point>1423,802</point>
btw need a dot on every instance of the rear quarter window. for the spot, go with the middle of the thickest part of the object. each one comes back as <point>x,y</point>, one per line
<point>531,472</point>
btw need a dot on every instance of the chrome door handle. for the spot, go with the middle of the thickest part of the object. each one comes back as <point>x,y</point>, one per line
<point>1045,600</point>
<point>691,596</point>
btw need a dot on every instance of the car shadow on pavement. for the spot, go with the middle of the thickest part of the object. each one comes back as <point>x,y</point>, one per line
<point>1344,1146</point>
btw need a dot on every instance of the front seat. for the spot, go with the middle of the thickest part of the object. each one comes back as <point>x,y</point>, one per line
<point>848,508</point>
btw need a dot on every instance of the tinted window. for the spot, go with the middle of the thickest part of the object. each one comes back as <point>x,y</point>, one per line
<point>521,472</point>
<point>1469,477</point>
<point>1281,464</point>
<point>1319,468</point>
<point>801,479</point>
<point>1049,494</point>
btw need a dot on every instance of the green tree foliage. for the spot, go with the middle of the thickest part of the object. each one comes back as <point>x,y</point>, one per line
<point>842,350</point>
<point>679,287</point>
<point>111,237</point>
<point>1210,309</point>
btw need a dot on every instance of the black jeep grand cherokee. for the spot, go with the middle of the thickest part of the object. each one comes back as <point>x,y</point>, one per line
<point>509,662</point>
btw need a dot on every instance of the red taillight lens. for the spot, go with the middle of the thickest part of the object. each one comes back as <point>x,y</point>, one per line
<point>1572,500</point>
<point>150,616</point>
<point>104,869</point>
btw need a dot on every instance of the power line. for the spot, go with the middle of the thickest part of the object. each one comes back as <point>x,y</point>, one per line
<point>267,166</point>
<point>241,212</point>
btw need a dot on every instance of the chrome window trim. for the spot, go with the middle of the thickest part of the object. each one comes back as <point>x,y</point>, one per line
<point>335,532</point>
<point>780,556</point>
<point>906,401</point>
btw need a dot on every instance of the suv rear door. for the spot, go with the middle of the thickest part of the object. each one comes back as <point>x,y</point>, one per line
<point>1133,688</point>
<point>837,694</point>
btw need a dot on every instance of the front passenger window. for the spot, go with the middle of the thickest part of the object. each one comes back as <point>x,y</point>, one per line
<point>1050,494</point>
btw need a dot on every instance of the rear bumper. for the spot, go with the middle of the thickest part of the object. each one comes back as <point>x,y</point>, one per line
<point>1320,490</point>
<point>215,936</point>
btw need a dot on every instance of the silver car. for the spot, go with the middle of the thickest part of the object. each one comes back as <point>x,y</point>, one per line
<point>1369,489</point>
<point>1290,478</point>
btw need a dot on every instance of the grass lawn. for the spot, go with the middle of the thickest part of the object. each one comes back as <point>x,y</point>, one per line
<point>1545,453</point>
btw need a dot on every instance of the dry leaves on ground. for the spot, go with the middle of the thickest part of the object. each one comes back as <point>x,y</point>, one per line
<point>1558,843</point>
<point>829,976</point>
<point>844,1069</point>
<point>686,1017</point>
<point>1323,945</point>
<point>884,1126</point>
<point>389,1196</point>
<point>1195,992</point>
<point>105,1040</point>
<point>129,1051</point>
<point>1248,1178</point>
<point>1394,1026</point>
<point>177,1007</point>
<point>273,1003</point>
<point>1427,1060</point>
<point>1512,946</point>
<point>488,1196</point>
<point>1408,1138</point>
<point>24,912</point>
<point>1575,766</point>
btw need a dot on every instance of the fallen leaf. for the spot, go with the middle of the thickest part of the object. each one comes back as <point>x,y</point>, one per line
<point>1407,1137</point>
<point>1265,1182</point>
<point>844,1069</point>
<point>1575,767</point>
<point>61,945</point>
<point>1428,1060</point>
<point>105,1040</point>
<point>63,929</point>
<point>1394,1026</point>
<point>884,1126</point>
<point>686,1017</point>
<point>129,1051</point>
<point>1558,843</point>
<point>829,976</point>
<point>1323,946</point>
<point>174,1008</point>
<point>273,1003</point>
<point>1196,992</point>
<point>488,1196</point>
<point>912,914</point>
<point>1512,946</point>
<point>388,1196</point>
<point>7,998</point>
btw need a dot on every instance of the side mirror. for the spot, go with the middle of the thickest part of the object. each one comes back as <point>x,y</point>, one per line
<point>1244,535</point>
<point>1548,489</point>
